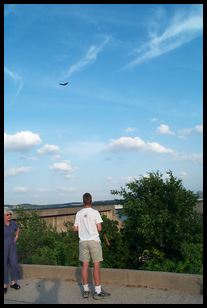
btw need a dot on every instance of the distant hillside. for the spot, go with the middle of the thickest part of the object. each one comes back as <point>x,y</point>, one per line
<point>58,205</point>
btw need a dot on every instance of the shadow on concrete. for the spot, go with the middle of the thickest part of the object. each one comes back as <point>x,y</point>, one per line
<point>47,293</point>
<point>200,283</point>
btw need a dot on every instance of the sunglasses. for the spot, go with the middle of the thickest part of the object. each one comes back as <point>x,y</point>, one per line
<point>9,214</point>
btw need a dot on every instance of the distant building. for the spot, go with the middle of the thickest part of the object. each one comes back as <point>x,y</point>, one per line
<point>199,206</point>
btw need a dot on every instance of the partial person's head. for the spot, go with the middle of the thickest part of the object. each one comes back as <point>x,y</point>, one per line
<point>87,199</point>
<point>7,213</point>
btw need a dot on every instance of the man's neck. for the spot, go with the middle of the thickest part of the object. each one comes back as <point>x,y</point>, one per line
<point>87,205</point>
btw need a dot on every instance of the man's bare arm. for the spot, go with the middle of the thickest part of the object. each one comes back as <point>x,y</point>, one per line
<point>75,228</point>
<point>99,227</point>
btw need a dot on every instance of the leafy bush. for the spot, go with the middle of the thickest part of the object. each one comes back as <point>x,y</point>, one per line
<point>161,216</point>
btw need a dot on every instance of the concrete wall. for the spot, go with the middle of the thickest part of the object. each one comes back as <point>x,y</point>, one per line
<point>199,206</point>
<point>59,216</point>
<point>192,284</point>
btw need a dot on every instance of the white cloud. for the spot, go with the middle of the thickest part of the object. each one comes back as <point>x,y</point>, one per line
<point>16,171</point>
<point>21,189</point>
<point>130,129</point>
<point>21,141</point>
<point>109,178</point>
<point>158,148</point>
<point>66,189</point>
<point>57,157</point>
<point>164,130</point>
<point>183,133</point>
<point>89,58</point>
<point>44,190</point>
<point>154,119</point>
<point>16,78</point>
<point>31,158</point>
<point>126,143</point>
<point>136,144</point>
<point>48,149</point>
<point>181,29</point>
<point>63,167</point>
<point>196,158</point>
<point>68,176</point>
<point>199,128</point>
<point>183,174</point>
<point>128,179</point>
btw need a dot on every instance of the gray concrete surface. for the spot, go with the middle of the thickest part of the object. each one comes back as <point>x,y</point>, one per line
<point>58,291</point>
<point>186,283</point>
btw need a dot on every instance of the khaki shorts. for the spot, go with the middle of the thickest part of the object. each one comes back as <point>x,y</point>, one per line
<point>90,249</point>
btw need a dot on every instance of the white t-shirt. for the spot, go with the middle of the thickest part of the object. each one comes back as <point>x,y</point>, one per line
<point>86,220</point>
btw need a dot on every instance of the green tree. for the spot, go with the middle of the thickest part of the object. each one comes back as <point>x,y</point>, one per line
<point>41,244</point>
<point>72,251</point>
<point>38,243</point>
<point>161,216</point>
<point>115,255</point>
<point>32,236</point>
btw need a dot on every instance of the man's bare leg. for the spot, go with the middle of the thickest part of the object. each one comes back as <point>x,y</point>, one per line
<point>96,273</point>
<point>84,272</point>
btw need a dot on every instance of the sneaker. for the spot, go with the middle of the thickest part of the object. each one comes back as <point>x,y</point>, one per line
<point>101,295</point>
<point>15,286</point>
<point>86,294</point>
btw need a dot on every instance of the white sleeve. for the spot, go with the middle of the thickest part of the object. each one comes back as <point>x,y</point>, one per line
<point>98,218</point>
<point>76,221</point>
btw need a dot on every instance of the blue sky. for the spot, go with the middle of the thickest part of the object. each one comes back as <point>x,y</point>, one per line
<point>133,105</point>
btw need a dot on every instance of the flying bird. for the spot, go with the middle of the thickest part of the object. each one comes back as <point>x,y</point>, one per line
<point>63,84</point>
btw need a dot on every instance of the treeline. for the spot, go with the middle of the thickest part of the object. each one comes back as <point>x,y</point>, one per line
<point>163,231</point>
<point>58,205</point>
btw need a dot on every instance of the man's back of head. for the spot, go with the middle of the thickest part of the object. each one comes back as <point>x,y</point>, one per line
<point>87,199</point>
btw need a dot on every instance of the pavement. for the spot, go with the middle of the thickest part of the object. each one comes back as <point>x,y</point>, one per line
<point>44,291</point>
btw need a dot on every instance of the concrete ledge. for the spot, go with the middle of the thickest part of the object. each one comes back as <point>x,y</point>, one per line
<point>187,283</point>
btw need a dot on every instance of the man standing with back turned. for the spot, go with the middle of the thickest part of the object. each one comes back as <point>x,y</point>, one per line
<point>88,224</point>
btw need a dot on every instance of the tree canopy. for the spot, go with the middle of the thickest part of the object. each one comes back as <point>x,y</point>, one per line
<point>161,219</point>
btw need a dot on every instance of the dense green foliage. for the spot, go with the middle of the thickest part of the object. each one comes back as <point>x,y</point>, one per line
<point>162,223</point>
<point>162,232</point>
<point>41,244</point>
<point>115,255</point>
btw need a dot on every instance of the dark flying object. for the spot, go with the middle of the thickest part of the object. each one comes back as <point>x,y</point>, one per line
<point>63,84</point>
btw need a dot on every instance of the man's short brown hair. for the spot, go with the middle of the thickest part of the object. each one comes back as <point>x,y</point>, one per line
<point>87,198</point>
